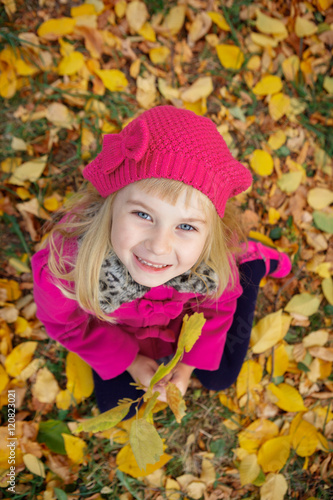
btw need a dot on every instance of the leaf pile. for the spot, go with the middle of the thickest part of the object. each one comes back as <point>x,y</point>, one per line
<point>262,71</point>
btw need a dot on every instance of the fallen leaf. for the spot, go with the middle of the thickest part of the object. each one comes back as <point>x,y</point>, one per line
<point>323,221</point>
<point>304,27</point>
<point>317,338</point>
<point>136,15</point>
<point>290,182</point>
<point>269,331</point>
<point>262,162</point>
<point>319,198</point>
<point>278,106</point>
<point>159,55</point>
<point>60,115</point>
<point>34,465</point>
<point>174,21</point>
<point>200,89</point>
<point>255,434</point>
<point>304,438</point>
<point>230,56</point>
<point>288,398</point>
<point>52,29</point>
<point>270,25</point>
<point>46,388</point>
<point>219,20</point>
<point>274,453</point>
<point>268,85</point>
<point>327,287</point>
<point>290,67</point>
<point>79,377</point>
<point>28,171</point>
<point>304,304</point>
<point>75,448</point>
<point>19,358</point>
<point>248,378</point>
<point>274,487</point>
<point>126,463</point>
<point>281,361</point>
<point>199,28</point>
<point>249,469</point>
<point>277,139</point>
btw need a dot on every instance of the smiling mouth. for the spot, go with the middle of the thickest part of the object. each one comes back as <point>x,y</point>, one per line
<point>149,264</point>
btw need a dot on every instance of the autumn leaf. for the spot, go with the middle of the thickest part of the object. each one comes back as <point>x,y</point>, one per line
<point>19,358</point>
<point>274,453</point>
<point>286,397</point>
<point>79,377</point>
<point>249,469</point>
<point>146,444</point>
<point>230,56</point>
<point>75,448</point>
<point>262,162</point>
<point>105,420</point>
<point>175,401</point>
<point>126,462</point>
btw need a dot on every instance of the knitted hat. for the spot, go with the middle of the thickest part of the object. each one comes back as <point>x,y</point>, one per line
<point>174,144</point>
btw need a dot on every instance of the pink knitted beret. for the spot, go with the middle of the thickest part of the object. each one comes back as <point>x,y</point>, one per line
<point>174,144</point>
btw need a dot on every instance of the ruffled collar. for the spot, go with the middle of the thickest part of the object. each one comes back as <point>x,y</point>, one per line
<point>117,287</point>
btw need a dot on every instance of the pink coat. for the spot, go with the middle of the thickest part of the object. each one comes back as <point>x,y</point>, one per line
<point>149,325</point>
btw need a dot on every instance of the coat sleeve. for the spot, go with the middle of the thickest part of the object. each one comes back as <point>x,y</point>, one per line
<point>206,354</point>
<point>107,348</point>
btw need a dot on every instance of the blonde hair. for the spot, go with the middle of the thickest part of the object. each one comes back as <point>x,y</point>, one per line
<point>88,218</point>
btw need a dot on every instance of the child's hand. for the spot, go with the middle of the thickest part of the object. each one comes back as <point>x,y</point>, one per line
<point>143,369</point>
<point>180,376</point>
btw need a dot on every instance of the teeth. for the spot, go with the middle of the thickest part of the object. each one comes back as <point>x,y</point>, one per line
<point>152,265</point>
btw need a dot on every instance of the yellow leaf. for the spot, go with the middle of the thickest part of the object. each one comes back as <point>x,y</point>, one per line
<point>317,338</point>
<point>270,25</point>
<point>12,288</point>
<point>273,216</point>
<point>171,487</point>
<point>58,114</point>
<point>136,15</point>
<point>278,106</point>
<point>288,398</point>
<point>304,27</point>
<point>324,4</point>
<point>268,85</point>
<point>167,91</point>
<point>195,489</point>
<point>262,237</point>
<point>277,139</point>
<point>264,40</point>
<point>64,399</point>
<point>254,63</point>
<point>30,370</point>
<point>319,198</point>
<point>219,20</point>
<point>200,89</point>
<point>228,402</point>
<point>262,162</point>
<point>230,56</point>
<point>9,165</point>
<point>174,20</point>
<point>249,469</point>
<point>83,10</point>
<point>146,443</point>
<point>327,287</point>
<point>175,401</point>
<point>28,171</point>
<point>113,79</point>
<point>274,453</point>
<point>147,31</point>
<point>250,375</point>
<point>71,64</point>
<point>46,388</point>
<point>199,107</point>
<point>199,28</point>
<point>20,357</point>
<point>34,465</point>
<point>281,361</point>
<point>79,377</point>
<point>191,330</point>
<point>75,448</point>
<point>208,473</point>
<point>259,431</point>
<point>328,84</point>
<point>304,437</point>
<point>56,28</point>
<point>21,325</point>
<point>269,331</point>
<point>120,8</point>
<point>8,83</point>
<point>290,182</point>
<point>274,487</point>
<point>290,67</point>
<point>51,203</point>
<point>126,463</point>
<point>4,379</point>
<point>159,55</point>
<point>304,304</point>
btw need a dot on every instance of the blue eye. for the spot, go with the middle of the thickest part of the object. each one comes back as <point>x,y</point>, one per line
<point>143,215</point>
<point>186,227</point>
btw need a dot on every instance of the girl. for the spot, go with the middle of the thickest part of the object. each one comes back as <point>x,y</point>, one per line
<point>153,238</point>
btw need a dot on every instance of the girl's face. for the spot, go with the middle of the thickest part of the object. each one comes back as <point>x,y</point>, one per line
<point>155,240</point>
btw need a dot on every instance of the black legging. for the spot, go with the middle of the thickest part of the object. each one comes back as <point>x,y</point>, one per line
<point>108,392</point>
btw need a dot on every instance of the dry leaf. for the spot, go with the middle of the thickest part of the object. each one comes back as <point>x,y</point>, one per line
<point>262,162</point>
<point>230,56</point>
<point>200,89</point>
<point>274,487</point>
<point>28,171</point>
<point>75,448</point>
<point>46,388</point>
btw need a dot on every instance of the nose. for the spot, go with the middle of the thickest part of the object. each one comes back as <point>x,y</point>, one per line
<point>159,241</point>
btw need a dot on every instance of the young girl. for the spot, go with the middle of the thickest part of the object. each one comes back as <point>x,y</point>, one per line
<point>153,238</point>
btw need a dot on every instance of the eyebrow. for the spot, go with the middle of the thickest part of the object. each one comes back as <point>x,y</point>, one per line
<point>146,207</point>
